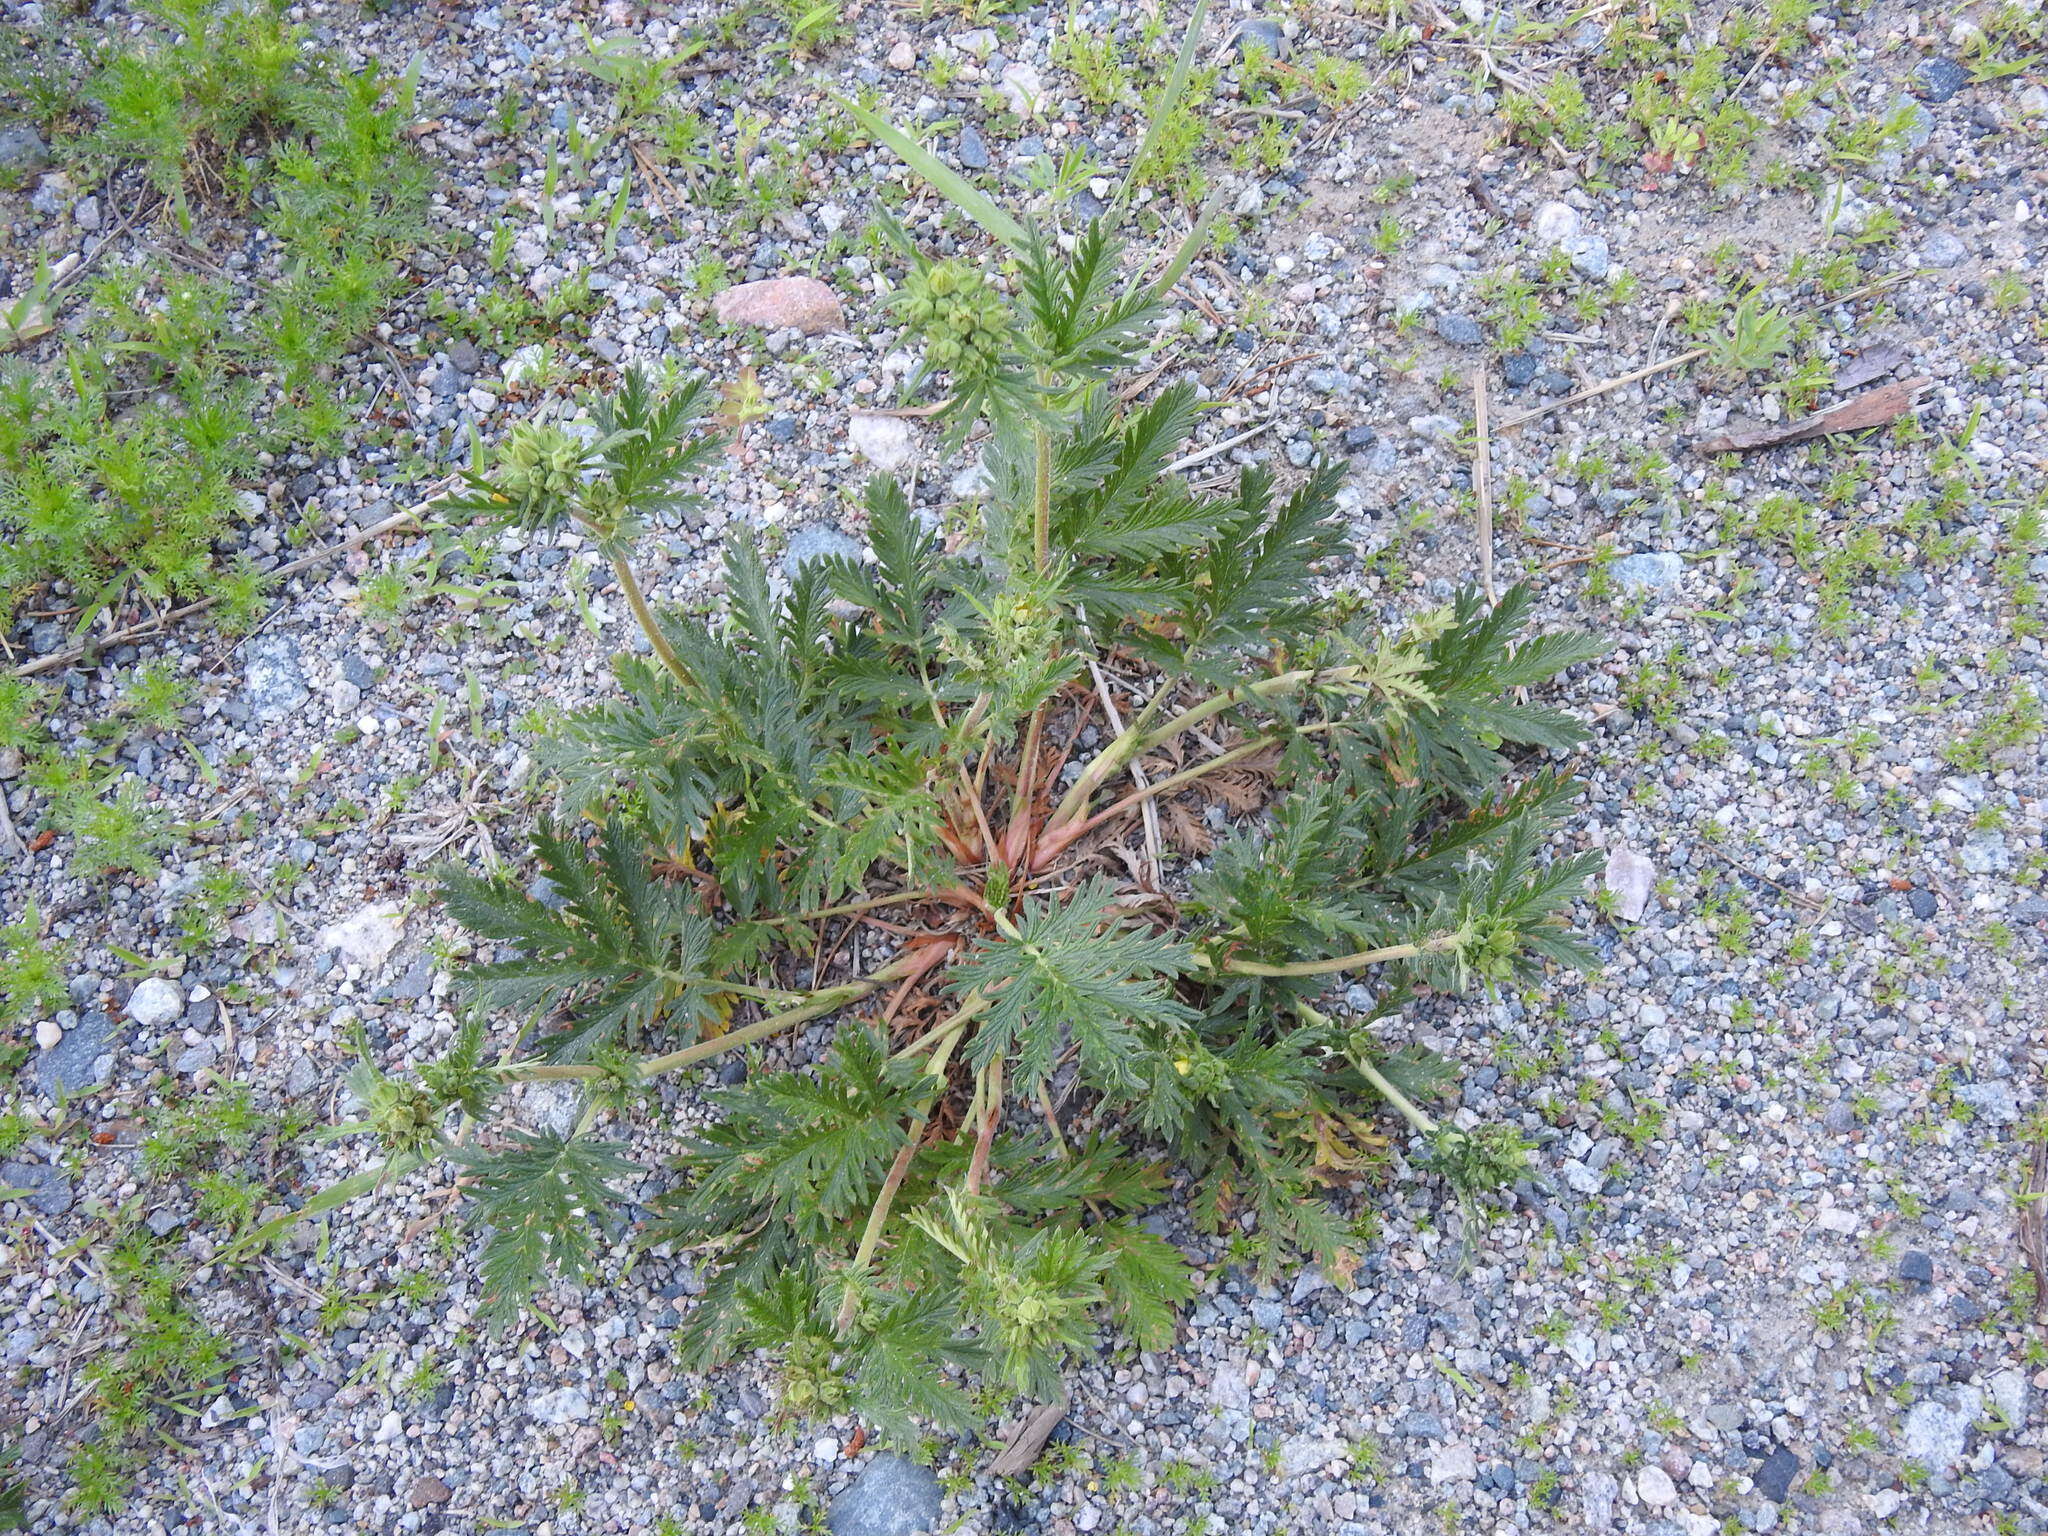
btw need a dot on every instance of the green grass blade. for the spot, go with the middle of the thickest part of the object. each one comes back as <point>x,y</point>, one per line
<point>1191,247</point>
<point>947,182</point>
<point>333,1197</point>
<point>1176,84</point>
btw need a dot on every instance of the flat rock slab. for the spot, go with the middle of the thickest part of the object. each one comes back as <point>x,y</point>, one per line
<point>72,1064</point>
<point>782,303</point>
<point>892,1497</point>
<point>43,1187</point>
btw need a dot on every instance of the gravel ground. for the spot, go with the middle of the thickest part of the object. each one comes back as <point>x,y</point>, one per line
<point>1768,1274</point>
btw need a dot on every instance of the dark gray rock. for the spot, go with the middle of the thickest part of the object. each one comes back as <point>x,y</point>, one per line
<point>892,1497</point>
<point>1774,1477</point>
<point>22,150</point>
<point>1939,79</point>
<point>1916,1268</point>
<point>72,1064</point>
<point>973,151</point>
<point>1460,330</point>
<point>44,1187</point>
<point>1518,370</point>
<point>1264,34</point>
<point>1922,903</point>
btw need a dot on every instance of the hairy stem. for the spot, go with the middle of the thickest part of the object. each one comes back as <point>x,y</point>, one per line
<point>822,1002</point>
<point>970,1009</point>
<point>1018,834</point>
<point>1054,840</point>
<point>849,908</point>
<point>637,601</point>
<point>1409,1110</point>
<point>1041,502</point>
<point>1352,962</point>
<point>878,1218</point>
<point>1134,740</point>
<point>1413,1113</point>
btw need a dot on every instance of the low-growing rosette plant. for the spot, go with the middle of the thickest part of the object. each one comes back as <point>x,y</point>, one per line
<point>1025,865</point>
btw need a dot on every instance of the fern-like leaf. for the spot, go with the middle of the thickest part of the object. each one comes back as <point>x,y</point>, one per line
<point>543,1201</point>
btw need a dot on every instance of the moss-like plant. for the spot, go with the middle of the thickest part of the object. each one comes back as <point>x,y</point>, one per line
<point>1063,833</point>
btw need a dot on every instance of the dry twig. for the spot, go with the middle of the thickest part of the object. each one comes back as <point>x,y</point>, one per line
<point>1482,482</point>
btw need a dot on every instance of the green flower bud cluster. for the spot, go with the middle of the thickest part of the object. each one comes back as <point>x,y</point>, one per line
<point>965,322</point>
<point>540,469</point>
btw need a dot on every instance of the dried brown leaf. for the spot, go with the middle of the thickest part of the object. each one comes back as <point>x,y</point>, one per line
<point>1186,830</point>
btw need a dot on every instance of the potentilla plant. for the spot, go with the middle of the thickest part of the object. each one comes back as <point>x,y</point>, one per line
<point>1066,831</point>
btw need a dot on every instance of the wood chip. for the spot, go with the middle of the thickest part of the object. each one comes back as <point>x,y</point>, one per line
<point>1027,1441</point>
<point>1876,408</point>
<point>1868,366</point>
<point>2034,1227</point>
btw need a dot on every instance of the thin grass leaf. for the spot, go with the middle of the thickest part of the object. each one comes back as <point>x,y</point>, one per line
<point>1169,97</point>
<point>947,182</point>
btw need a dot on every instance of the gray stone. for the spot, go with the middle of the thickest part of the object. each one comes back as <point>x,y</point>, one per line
<point>195,1058</point>
<point>1655,1488</point>
<point>1726,1417</point>
<point>275,681</point>
<point>892,1496</point>
<point>1994,1100</point>
<point>1518,369</point>
<point>156,1003</point>
<point>1460,330</point>
<point>973,151</point>
<point>301,1077</point>
<point>1263,33</point>
<point>1589,256</point>
<point>1452,1463</point>
<point>1555,224</point>
<point>1774,1477</point>
<point>1303,1454</point>
<point>74,1063</point>
<point>564,1405</point>
<point>22,150</point>
<point>417,981</point>
<point>1597,1493</point>
<point>814,541</point>
<point>1922,903</point>
<point>1653,572</point>
<point>1942,249</point>
<point>1842,212</point>
<point>1935,1432</point>
<point>1581,1178</point>
<point>1435,428</point>
<point>43,1187</point>
<point>1937,80</point>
